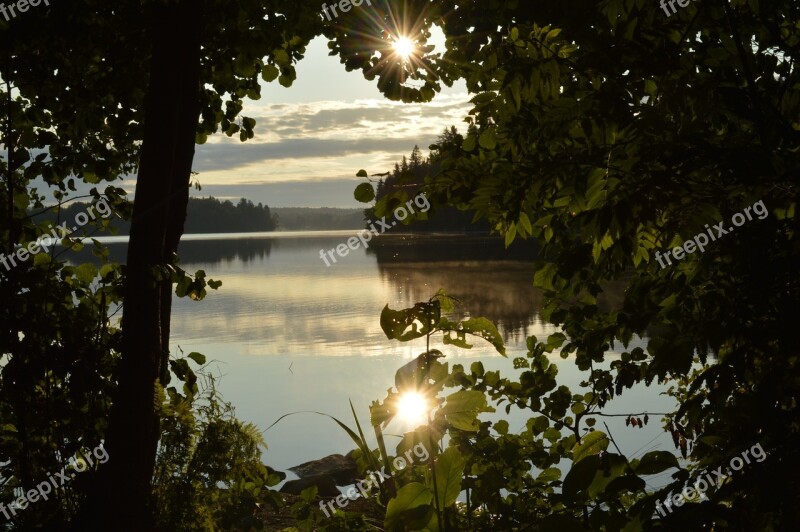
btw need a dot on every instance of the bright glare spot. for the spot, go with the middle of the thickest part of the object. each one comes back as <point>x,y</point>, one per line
<point>412,408</point>
<point>403,47</point>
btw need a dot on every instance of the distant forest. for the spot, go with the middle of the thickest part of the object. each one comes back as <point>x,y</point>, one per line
<point>210,215</point>
<point>204,215</point>
<point>410,174</point>
<point>317,219</point>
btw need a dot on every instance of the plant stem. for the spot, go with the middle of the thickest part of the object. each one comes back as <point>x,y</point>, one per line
<point>433,476</point>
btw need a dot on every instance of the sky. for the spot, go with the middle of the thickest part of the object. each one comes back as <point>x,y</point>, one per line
<point>312,138</point>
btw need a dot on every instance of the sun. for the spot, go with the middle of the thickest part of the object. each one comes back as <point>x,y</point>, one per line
<point>404,47</point>
<point>412,408</point>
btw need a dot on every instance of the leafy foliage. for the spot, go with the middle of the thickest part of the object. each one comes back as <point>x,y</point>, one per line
<point>425,319</point>
<point>610,134</point>
<point>405,181</point>
<point>58,352</point>
<point>510,480</point>
<point>607,133</point>
<point>74,107</point>
<point>209,474</point>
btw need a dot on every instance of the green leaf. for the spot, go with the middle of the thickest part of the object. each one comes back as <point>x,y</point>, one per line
<point>281,57</point>
<point>199,358</point>
<point>480,327</point>
<point>543,278</point>
<point>613,465</point>
<point>501,427</point>
<point>552,434</point>
<point>469,143</point>
<point>511,234</point>
<point>784,213</point>
<point>309,494</point>
<point>552,34</point>
<point>556,340</point>
<point>381,413</point>
<point>669,301</point>
<point>364,448</point>
<point>525,222</point>
<point>580,477</point>
<point>591,444</point>
<point>270,73</point>
<point>74,244</point>
<point>539,424</point>
<point>449,469</point>
<point>461,409</point>
<point>364,193</point>
<point>105,270</point>
<point>458,340</point>
<point>183,285</point>
<point>551,474</point>
<point>181,369</point>
<point>411,496</point>
<point>446,302</point>
<point>656,462</point>
<point>411,323</point>
<point>487,140</point>
<point>41,259</point>
<point>86,273</point>
<point>416,374</point>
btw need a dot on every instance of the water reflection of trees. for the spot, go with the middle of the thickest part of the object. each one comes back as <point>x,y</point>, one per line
<point>245,249</point>
<point>194,251</point>
<point>501,291</point>
<point>491,281</point>
<point>449,247</point>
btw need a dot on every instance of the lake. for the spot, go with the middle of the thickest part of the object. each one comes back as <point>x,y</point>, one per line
<point>286,333</point>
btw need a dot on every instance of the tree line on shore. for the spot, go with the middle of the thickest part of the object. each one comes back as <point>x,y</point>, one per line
<point>408,176</point>
<point>203,215</point>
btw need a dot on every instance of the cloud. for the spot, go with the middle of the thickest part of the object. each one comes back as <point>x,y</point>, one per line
<point>230,156</point>
<point>307,153</point>
<point>324,140</point>
<point>356,120</point>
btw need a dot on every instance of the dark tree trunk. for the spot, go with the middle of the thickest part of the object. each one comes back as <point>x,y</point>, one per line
<point>121,499</point>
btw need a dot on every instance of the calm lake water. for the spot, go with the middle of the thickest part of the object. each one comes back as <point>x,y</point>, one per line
<point>286,333</point>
